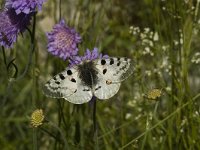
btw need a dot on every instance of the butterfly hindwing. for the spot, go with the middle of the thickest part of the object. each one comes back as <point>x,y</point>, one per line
<point>103,90</point>
<point>82,95</point>
<point>67,85</point>
<point>111,72</point>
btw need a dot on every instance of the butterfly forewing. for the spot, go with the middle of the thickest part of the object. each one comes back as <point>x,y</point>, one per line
<point>58,86</point>
<point>67,85</point>
<point>115,69</point>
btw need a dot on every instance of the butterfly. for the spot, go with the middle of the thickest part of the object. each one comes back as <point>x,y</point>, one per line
<point>100,78</point>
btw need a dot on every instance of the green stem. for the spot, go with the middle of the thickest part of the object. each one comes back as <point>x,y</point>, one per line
<point>59,121</point>
<point>94,116</point>
<point>95,125</point>
<point>61,133</point>
<point>49,133</point>
<point>4,57</point>
<point>32,49</point>
<point>60,9</point>
<point>61,106</point>
<point>196,10</point>
<point>35,139</point>
<point>32,34</point>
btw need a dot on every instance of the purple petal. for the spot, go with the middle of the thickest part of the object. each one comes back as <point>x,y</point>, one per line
<point>61,39</point>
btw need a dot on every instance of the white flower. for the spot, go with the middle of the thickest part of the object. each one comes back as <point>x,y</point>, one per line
<point>146,30</point>
<point>128,115</point>
<point>156,37</point>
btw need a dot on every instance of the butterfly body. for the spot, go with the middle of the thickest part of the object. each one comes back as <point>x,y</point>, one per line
<point>88,73</point>
<point>100,78</point>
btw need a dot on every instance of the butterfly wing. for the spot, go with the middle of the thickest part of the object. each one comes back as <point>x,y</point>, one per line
<point>117,68</point>
<point>105,91</point>
<point>67,85</point>
<point>111,72</point>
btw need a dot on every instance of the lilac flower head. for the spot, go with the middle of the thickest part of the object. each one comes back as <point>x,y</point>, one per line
<point>25,6</point>
<point>11,25</point>
<point>89,55</point>
<point>63,41</point>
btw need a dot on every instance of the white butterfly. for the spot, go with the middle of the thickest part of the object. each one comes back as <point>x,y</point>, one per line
<point>100,78</point>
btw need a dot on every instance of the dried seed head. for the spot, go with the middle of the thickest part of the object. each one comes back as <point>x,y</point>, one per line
<point>154,94</point>
<point>37,118</point>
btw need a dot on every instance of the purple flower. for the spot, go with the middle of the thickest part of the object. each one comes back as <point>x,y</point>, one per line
<point>89,55</point>
<point>63,41</point>
<point>11,25</point>
<point>25,6</point>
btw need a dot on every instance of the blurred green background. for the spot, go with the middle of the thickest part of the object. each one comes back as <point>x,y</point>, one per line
<point>162,36</point>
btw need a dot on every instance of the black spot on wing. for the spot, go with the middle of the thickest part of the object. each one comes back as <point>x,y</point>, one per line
<point>111,61</point>
<point>57,82</point>
<point>103,62</point>
<point>125,58</point>
<point>69,72</point>
<point>61,76</point>
<point>86,89</point>
<point>75,91</point>
<point>118,64</point>
<point>122,70</point>
<point>104,71</point>
<point>54,77</point>
<point>73,80</point>
<point>97,88</point>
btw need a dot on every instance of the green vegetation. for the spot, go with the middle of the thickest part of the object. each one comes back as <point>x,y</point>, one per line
<point>162,36</point>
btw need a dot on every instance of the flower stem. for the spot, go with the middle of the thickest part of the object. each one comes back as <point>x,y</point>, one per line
<point>32,34</point>
<point>60,3</point>
<point>35,143</point>
<point>61,135</point>
<point>4,56</point>
<point>95,125</point>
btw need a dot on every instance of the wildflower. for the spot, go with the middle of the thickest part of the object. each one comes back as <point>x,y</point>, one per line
<point>163,8</point>
<point>37,118</point>
<point>146,30</point>
<point>63,41</point>
<point>165,48</point>
<point>148,72</point>
<point>128,116</point>
<point>11,25</point>
<point>154,94</point>
<point>168,89</point>
<point>156,37</point>
<point>176,42</point>
<point>134,30</point>
<point>131,29</point>
<point>89,55</point>
<point>196,58</point>
<point>25,6</point>
<point>132,103</point>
